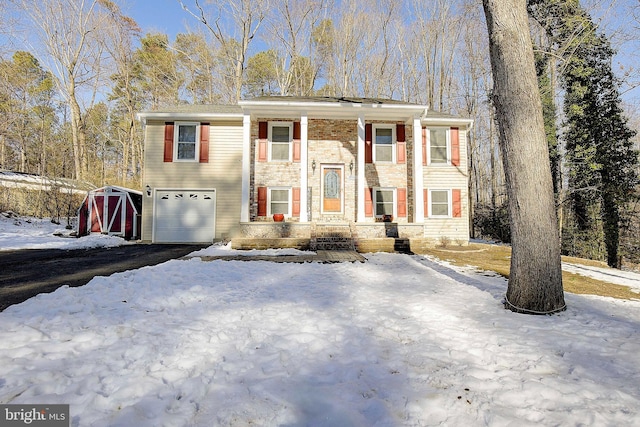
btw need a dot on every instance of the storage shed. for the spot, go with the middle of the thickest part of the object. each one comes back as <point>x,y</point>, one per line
<point>111,210</point>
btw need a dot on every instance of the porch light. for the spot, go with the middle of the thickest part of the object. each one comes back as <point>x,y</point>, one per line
<point>148,190</point>
<point>351,167</point>
<point>313,166</point>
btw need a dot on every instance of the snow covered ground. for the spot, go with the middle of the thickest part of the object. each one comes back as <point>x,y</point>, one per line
<point>396,341</point>
<point>32,233</point>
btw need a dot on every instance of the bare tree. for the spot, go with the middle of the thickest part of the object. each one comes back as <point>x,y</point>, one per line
<point>67,34</point>
<point>380,64</point>
<point>290,26</point>
<point>243,18</point>
<point>349,32</point>
<point>535,281</point>
<point>437,30</point>
<point>122,31</point>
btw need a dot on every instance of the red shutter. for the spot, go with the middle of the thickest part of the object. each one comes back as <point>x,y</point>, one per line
<point>456,203</point>
<point>204,142</point>
<point>295,205</point>
<point>368,202</point>
<point>296,141</point>
<point>262,201</point>
<point>263,130</point>
<point>168,142</point>
<point>426,202</point>
<point>296,130</point>
<point>402,202</point>
<point>424,146</point>
<point>368,143</point>
<point>455,146</point>
<point>400,134</point>
<point>401,152</point>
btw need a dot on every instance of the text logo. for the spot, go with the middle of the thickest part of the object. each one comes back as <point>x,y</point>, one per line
<point>34,415</point>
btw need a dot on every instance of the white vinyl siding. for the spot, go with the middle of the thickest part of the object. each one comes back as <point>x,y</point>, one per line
<point>447,178</point>
<point>222,173</point>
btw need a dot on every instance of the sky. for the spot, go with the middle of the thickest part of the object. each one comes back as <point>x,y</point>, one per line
<point>166,16</point>
<point>397,340</point>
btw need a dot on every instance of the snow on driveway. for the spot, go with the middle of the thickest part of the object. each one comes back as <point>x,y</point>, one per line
<point>397,341</point>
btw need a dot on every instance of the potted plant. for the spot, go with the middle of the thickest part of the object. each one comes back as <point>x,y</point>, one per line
<point>278,217</point>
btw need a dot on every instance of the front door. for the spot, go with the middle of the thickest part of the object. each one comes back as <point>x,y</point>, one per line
<point>332,188</point>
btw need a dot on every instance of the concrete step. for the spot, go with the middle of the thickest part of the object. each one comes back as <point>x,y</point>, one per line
<point>332,244</point>
<point>402,246</point>
<point>332,237</point>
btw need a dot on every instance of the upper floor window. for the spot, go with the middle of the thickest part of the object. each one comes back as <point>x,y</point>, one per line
<point>439,150</point>
<point>280,141</point>
<point>384,143</point>
<point>186,141</point>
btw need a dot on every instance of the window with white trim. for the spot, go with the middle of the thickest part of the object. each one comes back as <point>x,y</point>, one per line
<point>384,137</point>
<point>280,141</point>
<point>440,203</point>
<point>439,146</point>
<point>186,141</point>
<point>384,202</point>
<point>279,201</point>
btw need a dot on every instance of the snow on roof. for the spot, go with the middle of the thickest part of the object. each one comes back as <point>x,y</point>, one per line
<point>11,179</point>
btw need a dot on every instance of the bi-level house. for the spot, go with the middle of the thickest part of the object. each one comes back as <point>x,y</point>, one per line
<point>296,171</point>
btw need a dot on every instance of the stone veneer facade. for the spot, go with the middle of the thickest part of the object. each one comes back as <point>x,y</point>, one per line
<point>330,142</point>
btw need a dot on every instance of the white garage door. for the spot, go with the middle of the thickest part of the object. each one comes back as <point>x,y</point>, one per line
<point>185,216</point>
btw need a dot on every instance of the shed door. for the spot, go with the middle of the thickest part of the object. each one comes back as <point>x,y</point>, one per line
<point>107,213</point>
<point>184,216</point>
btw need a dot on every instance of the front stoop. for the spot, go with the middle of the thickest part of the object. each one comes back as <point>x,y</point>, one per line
<point>332,237</point>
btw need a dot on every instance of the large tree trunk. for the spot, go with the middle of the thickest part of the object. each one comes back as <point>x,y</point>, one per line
<point>535,281</point>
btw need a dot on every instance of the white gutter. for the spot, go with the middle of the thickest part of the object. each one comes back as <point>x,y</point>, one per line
<point>448,121</point>
<point>332,105</point>
<point>188,116</point>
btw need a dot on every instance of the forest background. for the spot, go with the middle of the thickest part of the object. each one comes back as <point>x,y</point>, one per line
<point>74,73</point>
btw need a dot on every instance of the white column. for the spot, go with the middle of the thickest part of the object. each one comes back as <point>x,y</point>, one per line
<point>361,181</point>
<point>304,166</point>
<point>418,175</point>
<point>246,166</point>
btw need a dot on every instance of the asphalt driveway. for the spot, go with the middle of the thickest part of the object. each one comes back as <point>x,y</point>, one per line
<point>26,273</point>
